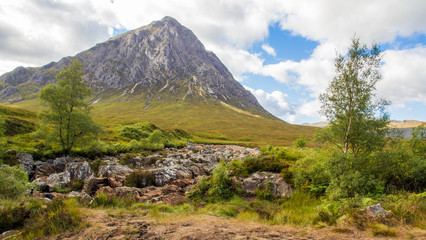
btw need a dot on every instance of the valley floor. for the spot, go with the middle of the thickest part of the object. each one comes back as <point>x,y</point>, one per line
<point>115,224</point>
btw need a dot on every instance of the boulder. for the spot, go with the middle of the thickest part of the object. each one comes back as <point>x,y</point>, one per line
<point>166,175</point>
<point>376,211</point>
<point>27,163</point>
<point>59,163</point>
<point>79,170</point>
<point>58,179</point>
<point>114,169</point>
<point>43,169</point>
<point>260,179</point>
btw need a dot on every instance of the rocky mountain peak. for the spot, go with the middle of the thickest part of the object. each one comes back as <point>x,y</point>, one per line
<point>163,61</point>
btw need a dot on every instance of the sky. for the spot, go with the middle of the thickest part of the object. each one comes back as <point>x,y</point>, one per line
<point>282,51</point>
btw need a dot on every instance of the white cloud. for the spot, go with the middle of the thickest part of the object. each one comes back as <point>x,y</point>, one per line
<point>404,76</point>
<point>269,50</point>
<point>275,102</point>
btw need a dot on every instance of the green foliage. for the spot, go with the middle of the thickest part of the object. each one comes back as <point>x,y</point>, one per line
<point>261,163</point>
<point>140,179</point>
<point>418,141</point>
<point>407,208</point>
<point>265,192</point>
<point>348,102</point>
<point>14,212</point>
<point>137,131</point>
<point>2,126</point>
<point>301,142</point>
<point>217,187</point>
<point>350,176</point>
<point>68,113</point>
<point>13,181</point>
<point>110,201</point>
<point>298,209</point>
<point>59,216</point>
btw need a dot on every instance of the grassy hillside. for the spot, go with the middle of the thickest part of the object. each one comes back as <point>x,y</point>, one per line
<point>18,120</point>
<point>209,122</point>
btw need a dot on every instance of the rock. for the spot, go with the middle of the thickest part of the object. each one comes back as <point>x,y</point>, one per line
<point>58,179</point>
<point>117,181</point>
<point>259,180</point>
<point>43,169</point>
<point>93,184</point>
<point>112,170</point>
<point>59,163</point>
<point>376,211</point>
<point>9,234</point>
<point>78,194</point>
<point>27,163</point>
<point>166,175</point>
<point>79,170</point>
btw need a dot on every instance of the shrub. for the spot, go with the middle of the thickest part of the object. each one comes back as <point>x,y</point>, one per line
<point>301,142</point>
<point>137,131</point>
<point>140,179</point>
<point>217,187</point>
<point>258,164</point>
<point>60,215</point>
<point>13,181</point>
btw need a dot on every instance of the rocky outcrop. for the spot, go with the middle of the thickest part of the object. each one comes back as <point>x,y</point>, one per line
<point>162,60</point>
<point>113,170</point>
<point>260,180</point>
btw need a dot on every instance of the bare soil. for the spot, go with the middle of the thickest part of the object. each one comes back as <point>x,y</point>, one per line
<point>106,225</point>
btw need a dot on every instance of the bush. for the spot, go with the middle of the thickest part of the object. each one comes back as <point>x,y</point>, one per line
<point>265,192</point>
<point>140,179</point>
<point>217,187</point>
<point>59,216</point>
<point>260,164</point>
<point>13,181</point>
<point>137,131</point>
<point>301,142</point>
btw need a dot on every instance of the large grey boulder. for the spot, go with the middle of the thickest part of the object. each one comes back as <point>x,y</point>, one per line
<point>114,169</point>
<point>79,170</point>
<point>165,175</point>
<point>259,180</point>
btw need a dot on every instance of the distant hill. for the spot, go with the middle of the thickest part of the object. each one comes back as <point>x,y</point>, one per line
<point>405,127</point>
<point>163,74</point>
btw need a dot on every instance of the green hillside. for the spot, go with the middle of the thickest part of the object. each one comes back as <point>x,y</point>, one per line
<point>207,122</point>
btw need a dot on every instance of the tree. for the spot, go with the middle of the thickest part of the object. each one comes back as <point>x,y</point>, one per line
<point>68,113</point>
<point>357,123</point>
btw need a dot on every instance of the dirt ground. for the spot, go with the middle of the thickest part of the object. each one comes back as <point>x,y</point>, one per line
<point>109,225</point>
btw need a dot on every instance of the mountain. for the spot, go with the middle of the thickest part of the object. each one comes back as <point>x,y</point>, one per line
<point>160,73</point>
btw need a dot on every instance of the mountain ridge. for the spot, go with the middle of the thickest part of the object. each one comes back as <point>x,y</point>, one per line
<point>162,56</point>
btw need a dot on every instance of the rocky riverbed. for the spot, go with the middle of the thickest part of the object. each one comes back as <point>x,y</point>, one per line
<point>174,172</point>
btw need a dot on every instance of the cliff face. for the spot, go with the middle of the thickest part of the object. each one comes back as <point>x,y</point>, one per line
<point>161,61</point>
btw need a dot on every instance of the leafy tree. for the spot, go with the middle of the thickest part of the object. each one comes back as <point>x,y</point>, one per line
<point>357,123</point>
<point>68,113</point>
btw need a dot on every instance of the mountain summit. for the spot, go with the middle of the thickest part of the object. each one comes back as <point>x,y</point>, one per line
<point>161,61</point>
